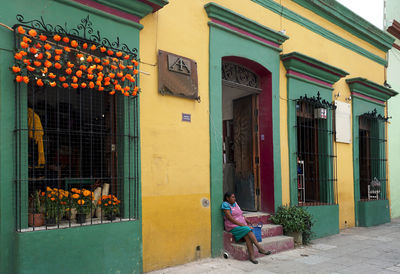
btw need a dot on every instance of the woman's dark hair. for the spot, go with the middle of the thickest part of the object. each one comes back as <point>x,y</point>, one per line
<point>227,195</point>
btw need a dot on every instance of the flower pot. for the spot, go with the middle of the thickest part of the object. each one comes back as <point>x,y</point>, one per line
<point>81,218</point>
<point>297,237</point>
<point>35,219</point>
<point>50,221</point>
<point>111,217</point>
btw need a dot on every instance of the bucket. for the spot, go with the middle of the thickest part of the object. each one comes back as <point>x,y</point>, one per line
<point>257,232</point>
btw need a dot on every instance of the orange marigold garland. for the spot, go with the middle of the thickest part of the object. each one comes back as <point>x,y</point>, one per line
<point>55,60</point>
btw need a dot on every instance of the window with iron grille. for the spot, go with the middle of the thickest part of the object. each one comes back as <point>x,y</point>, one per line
<point>316,160</point>
<point>76,143</point>
<point>372,157</point>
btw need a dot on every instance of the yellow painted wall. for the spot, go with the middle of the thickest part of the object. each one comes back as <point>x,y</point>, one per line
<point>175,155</point>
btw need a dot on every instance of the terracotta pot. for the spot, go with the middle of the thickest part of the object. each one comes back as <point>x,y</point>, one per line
<point>35,219</point>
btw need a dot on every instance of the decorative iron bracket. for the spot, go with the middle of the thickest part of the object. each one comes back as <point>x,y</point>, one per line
<point>317,102</point>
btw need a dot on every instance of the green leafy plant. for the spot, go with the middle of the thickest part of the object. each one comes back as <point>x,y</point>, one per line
<point>294,219</point>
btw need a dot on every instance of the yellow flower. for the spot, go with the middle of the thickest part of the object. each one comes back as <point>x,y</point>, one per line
<point>81,202</point>
<point>75,196</point>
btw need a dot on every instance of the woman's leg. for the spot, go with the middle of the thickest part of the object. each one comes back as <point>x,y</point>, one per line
<point>252,237</point>
<point>249,245</point>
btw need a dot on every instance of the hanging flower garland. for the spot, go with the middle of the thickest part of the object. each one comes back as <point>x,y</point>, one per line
<point>70,63</point>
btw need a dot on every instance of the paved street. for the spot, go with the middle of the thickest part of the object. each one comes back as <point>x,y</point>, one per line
<point>354,250</point>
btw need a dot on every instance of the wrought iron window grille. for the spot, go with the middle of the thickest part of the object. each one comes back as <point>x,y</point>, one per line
<point>75,142</point>
<point>316,159</point>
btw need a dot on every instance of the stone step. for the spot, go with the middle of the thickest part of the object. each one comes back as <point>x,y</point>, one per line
<point>275,244</point>
<point>268,230</point>
<point>257,217</point>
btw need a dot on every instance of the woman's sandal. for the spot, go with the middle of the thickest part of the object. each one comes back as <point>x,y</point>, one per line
<point>265,252</point>
<point>254,261</point>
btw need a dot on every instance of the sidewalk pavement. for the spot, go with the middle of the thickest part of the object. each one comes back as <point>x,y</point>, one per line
<point>354,250</point>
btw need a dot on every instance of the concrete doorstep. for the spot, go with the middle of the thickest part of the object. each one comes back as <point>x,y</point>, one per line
<point>355,250</point>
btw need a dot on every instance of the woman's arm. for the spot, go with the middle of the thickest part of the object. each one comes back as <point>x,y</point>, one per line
<point>230,218</point>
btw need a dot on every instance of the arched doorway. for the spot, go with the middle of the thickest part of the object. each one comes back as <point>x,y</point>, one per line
<point>247,133</point>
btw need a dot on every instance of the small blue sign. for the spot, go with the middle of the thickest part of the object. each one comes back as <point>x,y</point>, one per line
<point>186,117</point>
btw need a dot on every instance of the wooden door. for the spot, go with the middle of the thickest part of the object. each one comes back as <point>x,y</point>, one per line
<point>246,151</point>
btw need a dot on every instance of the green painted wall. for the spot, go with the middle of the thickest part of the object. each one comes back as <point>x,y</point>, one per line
<point>108,248</point>
<point>326,220</point>
<point>393,12</point>
<point>359,107</point>
<point>373,212</point>
<point>224,42</point>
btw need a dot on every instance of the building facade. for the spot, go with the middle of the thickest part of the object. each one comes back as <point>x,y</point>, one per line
<point>156,109</point>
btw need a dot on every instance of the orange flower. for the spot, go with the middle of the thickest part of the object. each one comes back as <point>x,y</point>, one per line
<point>120,74</point>
<point>24,45</point>
<point>126,93</point>
<point>52,76</point>
<point>21,30</point>
<point>57,65</point>
<point>74,79</point>
<point>83,85</point>
<point>62,78</point>
<point>53,84</point>
<point>70,65</point>
<point>107,83</point>
<point>129,67</point>
<point>84,46</point>
<point>101,88</point>
<point>82,67</point>
<point>79,55</point>
<point>86,193</point>
<point>135,89</point>
<point>39,82</point>
<point>89,59</point>
<point>52,198</point>
<point>18,56</point>
<point>74,44</point>
<point>113,67</point>
<point>57,37</point>
<point>112,92</point>
<point>39,56</point>
<point>123,79</point>
<point>107,79</point>
<point>48,54</point>
<point>97,60</point>
<point>91,84</point>
<point>99,67</point>
<point>38,45</point>
<point>135,71</point>
<point>115,82</point>
<point>43,37</point>
<point>75,196</point>
<point>19,78</point>
<point>67,49</point>
<point>27,62</point>
<point>47,64</point>
<point>44,70</point>
<point>32,32</point>
<point>100,78</point>
<point>121,66</point>
<point>47,46</point>
<point>57,57</point>
<point>93,47</point>
<point>133,94</point>
<point>98,83</point>
<point>100,73</point>
<point>30,68</point>
<point>74,85</point>
<point>26,39</point>
<point>65,85</point>
<point>16,69</point>
<point>118,54</point>
<point>58,51</point>
<point>33,50</point>
<point>126,57</point>
<point>103,49</point>
<point>68,71</point>
<point>126,88</point>
<point>90,76</point>
<point>78,73</point>
<point>106,62</point>
<point>65,39</point>
<point>26,79</point>
<point>110,52</point>
<point>118,87</point>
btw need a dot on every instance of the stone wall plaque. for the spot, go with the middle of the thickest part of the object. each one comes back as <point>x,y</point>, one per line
<point>177,75</point>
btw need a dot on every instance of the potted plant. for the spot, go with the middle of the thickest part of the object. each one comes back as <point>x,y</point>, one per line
<point>81,200</point>
<point>35,216</point>
<point>52,205</point>
<point>110,206</point>
<point>296,222</point>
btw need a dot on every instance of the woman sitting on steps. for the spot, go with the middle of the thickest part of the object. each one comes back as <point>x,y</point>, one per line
<point>236,224</point>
